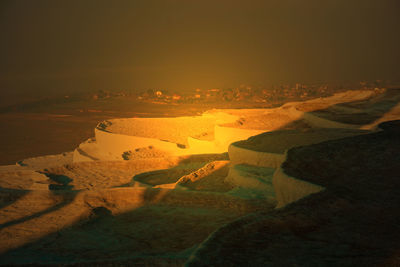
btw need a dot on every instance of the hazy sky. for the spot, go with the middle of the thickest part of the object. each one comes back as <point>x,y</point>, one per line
<point>96,44</point>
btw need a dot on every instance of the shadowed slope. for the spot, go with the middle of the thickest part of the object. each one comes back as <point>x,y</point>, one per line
<point>154,226</point>
<point>354,222</point>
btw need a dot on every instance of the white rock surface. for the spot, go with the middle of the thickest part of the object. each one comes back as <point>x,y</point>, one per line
<point>289,189</point>
<point>251,177</point>
<point>240,155</point>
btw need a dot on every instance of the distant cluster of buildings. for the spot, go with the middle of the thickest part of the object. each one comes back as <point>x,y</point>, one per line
<point>243,93</point>
<point>104,94</point>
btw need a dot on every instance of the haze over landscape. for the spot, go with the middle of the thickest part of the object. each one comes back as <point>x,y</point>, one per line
<point>176,45</point>
<point>199,133</point>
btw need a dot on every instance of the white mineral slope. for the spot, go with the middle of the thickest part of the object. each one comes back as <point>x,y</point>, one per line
<point>111,146</point>
<point>23,179</point>
<point>106,174</point>
<point>207,175</point>
<point>33,214</point>
<point>212,132</point>
<point>224,136</point>
<point>241,182</point>
<point>203,146</point>
<point>15,167</point>
<point>36,214</point>
<point>392,114</point>
<point>241,155</point>
<point>280,117</point>
<point>338,98</point>
<point>31,211</point>
<point>115,138</point>
<point>210,177</point>
<point>365,112</point>
<point>268,149</point>
<point>289,189</point>
<point>315,121</point>
<point>88,175</point>
<point>162,128</point>
<point>38,163</point>
<point>156,222</point>
<point>256,162</point>
<point>27,175</point>
<point>251,181</point>
<point>293,115</point>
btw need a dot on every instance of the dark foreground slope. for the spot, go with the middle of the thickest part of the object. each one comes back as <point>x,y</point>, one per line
<point>354,222</point>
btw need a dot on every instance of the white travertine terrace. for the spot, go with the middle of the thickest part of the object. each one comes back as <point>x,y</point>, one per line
<point>268,150</point>
<point>252,162</point>
<point>240,155</point>
<point>212,132</point>
<point>173,137</point>
<point>224,136</point>
<point>289,189</point>
<point>218,131</point>
<point>164,167</point>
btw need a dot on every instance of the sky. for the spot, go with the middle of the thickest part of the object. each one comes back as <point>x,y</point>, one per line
<point>78,45</point>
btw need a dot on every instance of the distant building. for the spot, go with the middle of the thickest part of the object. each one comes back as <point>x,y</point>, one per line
<point>176,97</point>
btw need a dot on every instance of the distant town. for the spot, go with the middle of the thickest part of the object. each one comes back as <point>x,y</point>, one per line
<point>245,93</point>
